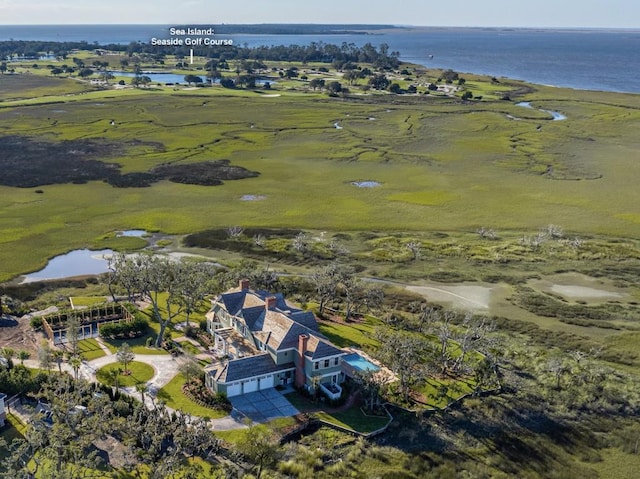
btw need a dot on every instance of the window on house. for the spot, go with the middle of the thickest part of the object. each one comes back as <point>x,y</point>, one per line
<point>335,361</point>
<point>316,365</point>
<point>326,363</point>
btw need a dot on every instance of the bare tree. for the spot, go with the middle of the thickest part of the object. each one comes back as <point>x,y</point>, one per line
<point>259,240</point>
<point>405,354</point>
<point>415,248</point>
<point>486,233</point>
<point>301,243</point>
<point>553,231</point>
<point>326,284</point>
<point>234,232</point>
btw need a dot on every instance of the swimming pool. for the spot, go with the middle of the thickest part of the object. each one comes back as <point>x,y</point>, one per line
<point>359,363</point>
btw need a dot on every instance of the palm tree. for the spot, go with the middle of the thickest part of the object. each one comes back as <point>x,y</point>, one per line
<point>142,388</point>
<point>58,356</point>
<point>75,361</point>
<point>114,375</point>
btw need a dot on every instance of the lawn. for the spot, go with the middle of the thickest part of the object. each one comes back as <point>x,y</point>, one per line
<point>14,429</point>
<point>86,301</point>
<point>350,334</point>
<point>140,373</point>
<point>138,345</point>
<point>172,396</point>
<point>90,349</point>
<point>354,419</point>
<point>439,393</point>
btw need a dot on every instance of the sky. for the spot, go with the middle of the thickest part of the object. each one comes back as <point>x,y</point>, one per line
<point>466,13</point>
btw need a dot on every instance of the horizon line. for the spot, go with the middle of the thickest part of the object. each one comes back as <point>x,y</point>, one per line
<point>477,27</point>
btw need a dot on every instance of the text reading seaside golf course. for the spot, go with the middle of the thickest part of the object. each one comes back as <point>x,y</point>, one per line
<point>191,37</point>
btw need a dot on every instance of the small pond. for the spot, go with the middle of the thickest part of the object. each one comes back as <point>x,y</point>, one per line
<point>75,263</point>
<point>365,184</point>
<point>133,233</point>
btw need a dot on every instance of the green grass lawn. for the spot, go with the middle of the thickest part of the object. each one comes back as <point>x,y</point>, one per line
<point>140,373</point>
<point>86,301</point>
<point>14,429</point>
<point>350,334</point>
<point>90,349</point>
<point>439,393</point>
<point>138,345</point>
<point>173,397</point>
<point>354,419</point>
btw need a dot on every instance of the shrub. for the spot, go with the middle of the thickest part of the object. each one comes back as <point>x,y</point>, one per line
<point>121,330</point>
<point>36,322</point>
<point>191,332</point>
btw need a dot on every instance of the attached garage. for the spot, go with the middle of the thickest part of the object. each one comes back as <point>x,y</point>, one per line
<point>250,385</point>
<point>246,375</point>
<point>266,382</point>
<point>234,390</point>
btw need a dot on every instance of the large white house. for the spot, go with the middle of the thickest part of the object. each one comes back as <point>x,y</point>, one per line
<point>263,341</point>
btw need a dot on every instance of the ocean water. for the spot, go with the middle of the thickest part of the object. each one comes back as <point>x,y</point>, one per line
<point>607,60</point>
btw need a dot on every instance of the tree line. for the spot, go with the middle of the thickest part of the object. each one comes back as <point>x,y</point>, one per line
<point>380,57</point>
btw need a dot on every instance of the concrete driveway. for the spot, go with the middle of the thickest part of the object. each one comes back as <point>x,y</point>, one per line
<point>263,406</point>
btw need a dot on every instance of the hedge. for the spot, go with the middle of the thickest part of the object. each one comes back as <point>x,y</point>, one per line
<point>124,330</point>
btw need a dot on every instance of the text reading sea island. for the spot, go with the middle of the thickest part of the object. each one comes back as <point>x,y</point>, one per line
<point>191,37</point>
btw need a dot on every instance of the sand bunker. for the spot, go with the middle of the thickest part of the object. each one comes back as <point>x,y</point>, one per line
<point>583,292</point>
<point>468,297</point>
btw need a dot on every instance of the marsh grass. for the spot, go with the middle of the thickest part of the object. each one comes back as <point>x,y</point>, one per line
<point>421,151</point>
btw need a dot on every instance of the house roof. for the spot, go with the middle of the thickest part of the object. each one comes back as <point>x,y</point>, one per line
<point>2,396</point>
<point>279,327</point>
<point>243,368</point>
<point>318,348</point>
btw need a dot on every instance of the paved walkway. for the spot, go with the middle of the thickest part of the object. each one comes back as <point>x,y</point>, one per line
<point>166,367</point>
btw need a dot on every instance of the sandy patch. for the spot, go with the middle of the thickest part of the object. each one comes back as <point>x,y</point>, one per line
<point>468,297</point>
<point>583,292</point>
<point>274,95</point>
<point>576,286</point>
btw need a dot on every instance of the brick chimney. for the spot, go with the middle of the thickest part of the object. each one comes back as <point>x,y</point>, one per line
<point>244,284</point>
<point>270,302</point>
<point>301,378</point>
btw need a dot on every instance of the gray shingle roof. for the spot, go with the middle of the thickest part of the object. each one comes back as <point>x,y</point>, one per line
<point>318,348</point>
<point>243,368</point>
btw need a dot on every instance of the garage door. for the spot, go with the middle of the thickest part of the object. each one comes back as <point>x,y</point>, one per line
<point>251,386</point>
<point>266,383</point>
<point>233,390</point>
